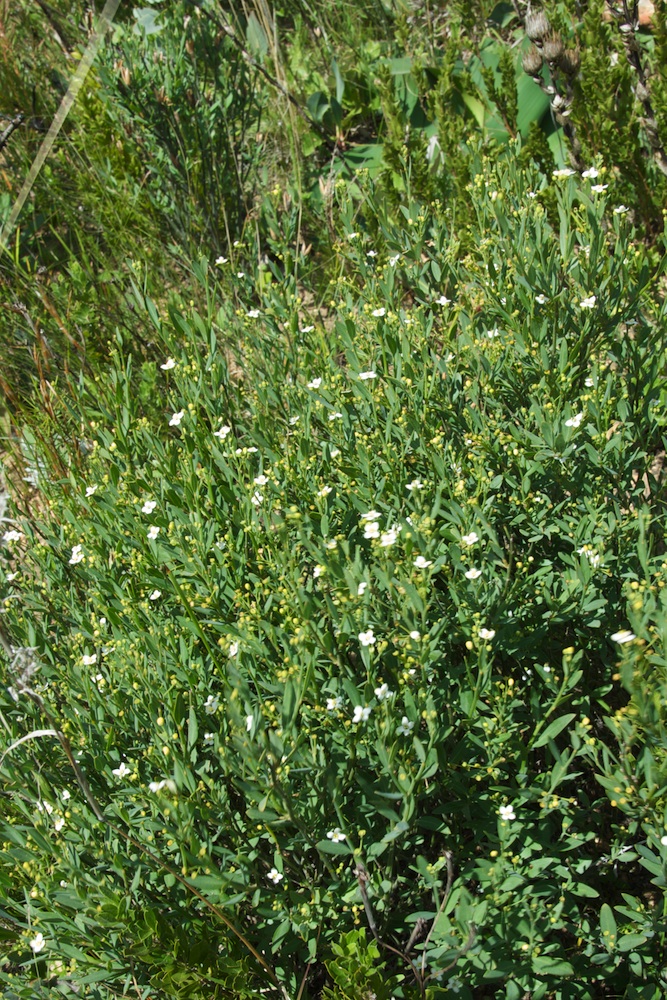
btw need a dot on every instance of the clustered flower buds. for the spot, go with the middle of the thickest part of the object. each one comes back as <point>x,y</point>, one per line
<point>537,26</point>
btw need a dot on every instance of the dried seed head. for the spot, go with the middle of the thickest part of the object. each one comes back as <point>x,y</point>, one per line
<point>553,48</point>
<point>537,26</point>
<point>570,62</point>
<point>532,61</point>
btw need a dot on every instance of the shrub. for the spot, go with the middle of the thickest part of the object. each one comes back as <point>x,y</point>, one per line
<point>313,677</point>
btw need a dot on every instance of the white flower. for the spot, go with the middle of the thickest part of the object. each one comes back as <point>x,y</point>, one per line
<point>77,555</point>
<point>443,301</point>
<point>90,490</point>
<point>588,303</point>
<point>532,194</point>
<point>590,174</point>
<point>589,383</point>
<point>317,572</point>
<point>470,539</point>
<point>663,840</point>
<point>383,692</point>
<point>405,727</point>
<point>45,807</point>
<point>361,713</point>
<point>156,786</point>
<point>249,719</point>
<point>169,363</point>
<point>233,649</point>
<point>59,824</point>
<point>211,704</point>
<point>623,636</point>
<point>389,537</point>
<point>422,563</point>
<point>223,432</point>
<point>367,638</point>
<point>11,536</point>
<point>293,420</point>
<point>275,876</point>
<point>371,253</point>
<point>260,480</point>
<point>122,770</point>
<point>315,384</point>
<point>307,329</point>
<point>240,274</point>
<point>256,498</point>
<point>599,188</point>
<point>153,532</point>
<point>332,544</point>
<point>65,795</point>
<point>575,420</point>
<point>365,376</point>
<point>154,595</point>
<point>325,491</point>
<point>336,835</point>
<point>333,704</point>
<point>563,172</point>
<point>372,515</point>
<point>38,942</point>
<point>88,661</point>
<point>378,313</point>
<point>220,261</point>
<point>11,576</point>
<point>540,299</point>
<point>416,484</point>
<point>621,209</point>
<point>352,236</point>
<point>372,530</point>
<point>493,333</point>
<point>176,418</point>
<point>473,574</point>
<point>149,507</point>
<point>393,261</point>
<point>415,635</point>
<point>361,588</point>
<point>253,313</point>
<point>336,415</point>
<point>486,633</point>
<point>506,813</point>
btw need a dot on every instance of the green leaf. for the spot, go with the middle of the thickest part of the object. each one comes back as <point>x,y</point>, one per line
<point>553,729</point>
<point>608,926</point>
<point>329,847</point>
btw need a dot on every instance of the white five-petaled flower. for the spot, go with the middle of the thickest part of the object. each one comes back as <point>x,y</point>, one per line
<point>361,713</point>
<point>168,365</point>
<point>315,384</point>
<point>293,420</point>
<point>623,636</point>
<point>149,507</point>
<point>260,480</point>
<point>365,376</point>
<point>473,573</point>
<point>416,484</point>
<point>156,786</point>
<point>65,794</point>
<point>222,432</point>
<point>253,313</point>
<point>176,418</point>
<point>275,876</point>
<point>154,595</point>
<point>77,555</point>
<point>89,660</point>
<point>153,532</point>
<point>371,253</point>
<point>336,415</point>
<point>372,515</point>
<point>337,835</point>
<point>249,719</point>
<point>256,498</point>
<point>59,824</point>
<point>393,261</point>
<point>233,649</point>
<point>540,299</point>
<point>38,943</point>
<point>506,813</point>
<point>599,188</point>
<point>122,770</point>
<point>575,420</point>
<point>306,329</point>
<point>422,563</point>
<point>470,539</point>
<point>405,727</point>
<point>379,313</point>
<point>361,588</point>
<point>220,260</point>
<point>563,172</point>
<point>415,635</point>
<point>333,704</point>
<point>443,301</point>
<point>11,536</point>
<point>588,303</point>
<point>91,489</point>
<point>325,491</point>
<point>372,529</point>
<point>486,633</point>
<point>382,693</point>
<point>211,704</point>
<point>589,382</point>
<point>317,572</point>
<point>590,174</point>
<point>388,538</point>
<point>367,638</point>
<point>621,209</point>
<point>493,333</point>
